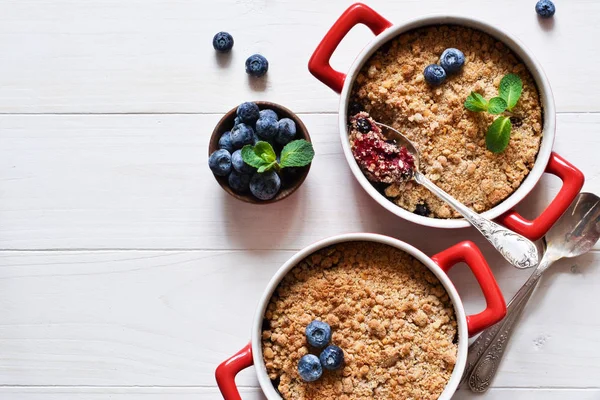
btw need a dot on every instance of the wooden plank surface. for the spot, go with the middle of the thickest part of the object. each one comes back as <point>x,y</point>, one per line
<point>141,181</point>
<point>127,273</point>
<point>56,393</point>
<point>156,318</point>
<point>155,56</point>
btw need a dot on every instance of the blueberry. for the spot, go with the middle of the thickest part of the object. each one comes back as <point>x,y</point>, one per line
<point>452,60</point>
<point>354,108</point>
<point>363,125</point>
<point>309,368</point>
<point>241,135</point>
<point>225,142</point>
<point>545,8</point>
<point>286,130</point>
<point>248,112</point>
<point>266,185</point>
<point>318,334</point>
<point>269,114</point>
<point>239,165</point>
<point>422,209</point>
<point>434,74</point>
<point>239,182</point>
<point>220,162</point>
<point>257,65</point>
<point>266,128</point>
<point>223,42</point>
<point>332,358</point>
<point>237,121</point>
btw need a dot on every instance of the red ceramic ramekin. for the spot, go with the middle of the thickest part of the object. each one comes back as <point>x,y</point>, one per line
<point>547,160</point>
<point>439,264</point>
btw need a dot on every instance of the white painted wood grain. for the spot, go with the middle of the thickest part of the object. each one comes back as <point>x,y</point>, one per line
<point>141,181</point>
<point>156,318</point>
<point>53,393</point>
<point>156,56</point>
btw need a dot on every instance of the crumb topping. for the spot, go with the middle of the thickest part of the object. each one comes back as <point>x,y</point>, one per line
<point>451,139</point>
<point>390,315</point>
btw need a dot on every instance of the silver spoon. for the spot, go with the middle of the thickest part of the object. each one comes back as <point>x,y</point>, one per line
<point>574,234</point>
<point>516,249</point>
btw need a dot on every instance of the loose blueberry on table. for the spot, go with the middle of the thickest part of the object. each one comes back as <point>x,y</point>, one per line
<point>545,8</point>
<point>223,42</point>
<point>257,65</point>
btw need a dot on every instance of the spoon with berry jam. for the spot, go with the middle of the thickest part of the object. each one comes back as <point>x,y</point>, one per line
<point>516,249</point>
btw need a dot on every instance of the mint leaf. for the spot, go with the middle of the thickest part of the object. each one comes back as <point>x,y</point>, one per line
<point>297,154</point>
<point>251,158</point>
<point>497,105</point>
<point>476,102</point>
<point>266,167</point>
<point>510,89</point>
<point>498,135</point>
<point>265,151</point>
<point>260,155</point>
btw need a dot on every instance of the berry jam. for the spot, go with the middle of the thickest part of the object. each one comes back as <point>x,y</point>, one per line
<point>384,162</point>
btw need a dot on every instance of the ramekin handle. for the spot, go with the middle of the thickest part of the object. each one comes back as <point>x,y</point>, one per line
<point>356,14</point>
<point>572,182</point>
<point>496,306</point>
<point>229,368</point>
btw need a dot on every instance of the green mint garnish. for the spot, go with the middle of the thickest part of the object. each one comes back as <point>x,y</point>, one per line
<point>510,89</point>
<point>498,134</point>
<point>297,153</point>
<point>476,102</point>
<point>497,105</point>
<point>259,155</point>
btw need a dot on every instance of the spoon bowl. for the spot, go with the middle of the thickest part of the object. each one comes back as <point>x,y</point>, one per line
<point>578,230</point>
<point>401,141</point>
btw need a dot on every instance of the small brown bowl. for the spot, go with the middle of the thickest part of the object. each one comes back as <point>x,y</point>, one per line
<point>289,183</point>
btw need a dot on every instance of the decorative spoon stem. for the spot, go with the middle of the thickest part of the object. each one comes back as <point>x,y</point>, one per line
<point>516,249</point>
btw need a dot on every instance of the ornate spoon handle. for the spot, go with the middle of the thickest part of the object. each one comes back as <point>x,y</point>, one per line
<point>486,366</point>
<point>516,249</point>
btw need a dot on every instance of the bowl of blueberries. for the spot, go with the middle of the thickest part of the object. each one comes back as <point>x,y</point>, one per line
<point>260,152</point>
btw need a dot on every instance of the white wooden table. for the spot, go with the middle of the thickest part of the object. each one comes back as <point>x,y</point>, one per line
<point>127,273</point>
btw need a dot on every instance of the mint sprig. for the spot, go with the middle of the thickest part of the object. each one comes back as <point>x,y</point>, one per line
<point>498,134</point>
<point>297,153</point>
<point>511,87</point>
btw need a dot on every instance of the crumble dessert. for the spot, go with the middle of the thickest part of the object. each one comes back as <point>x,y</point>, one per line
<point>380,160</point>
<point>390,315</point>
<point>451,140</point>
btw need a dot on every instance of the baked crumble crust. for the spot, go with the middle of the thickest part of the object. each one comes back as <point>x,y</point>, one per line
<point>390,315</point>
<point>451,139</point>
